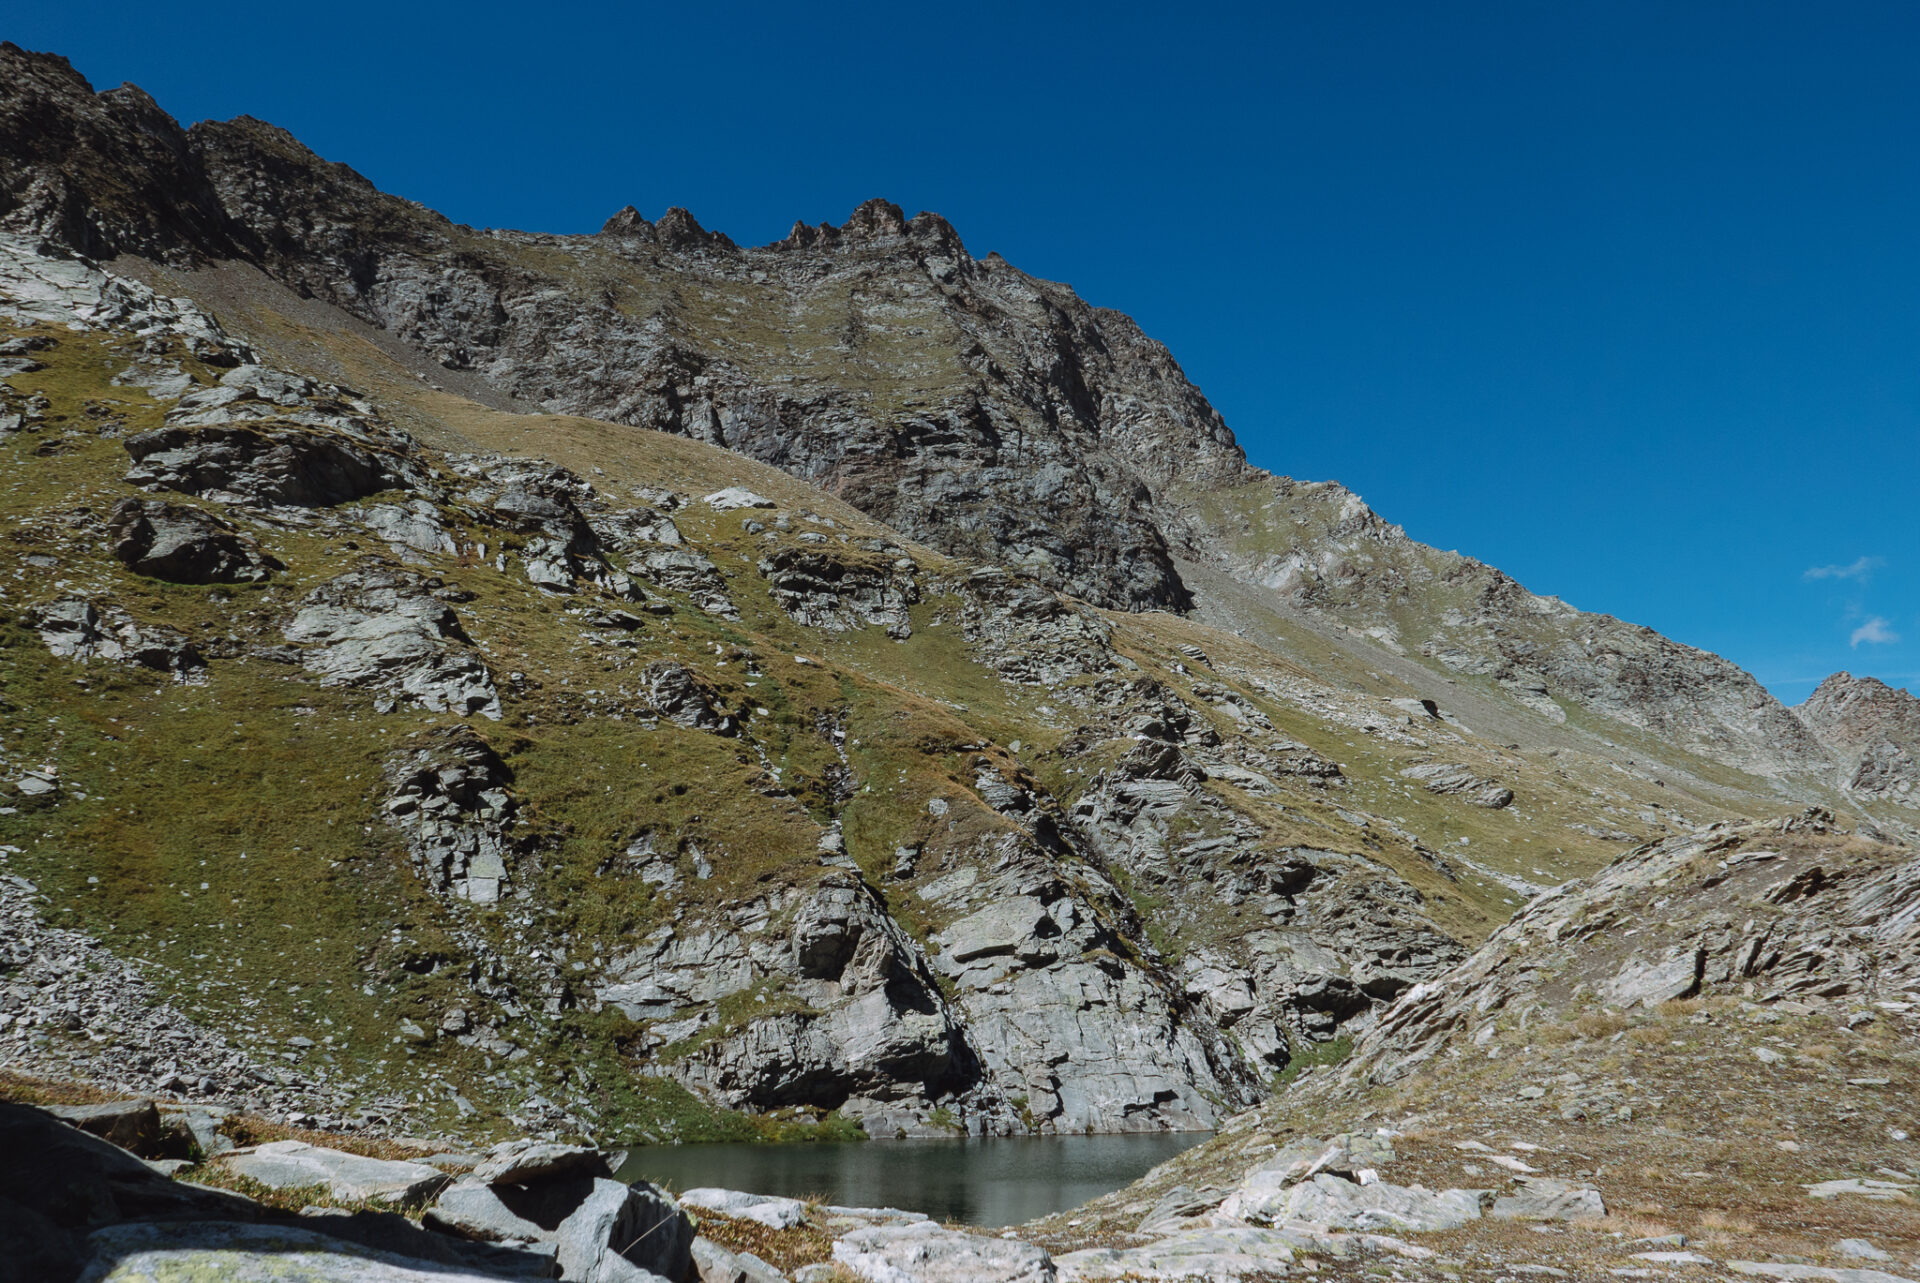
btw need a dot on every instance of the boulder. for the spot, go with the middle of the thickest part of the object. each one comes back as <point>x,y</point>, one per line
<point>1538,1198</point>
<point>1000,928</point>
<point>1650,982</point>
<point>471,1209</point>
<point>736,497</point>
<point>384,629</point>
<point>203,1127</point>
<point>254,464</point>
<point>625,1234</point>
<point>77,629</point>
<point>291,1164</point>
<point>523,1162</point>
<point>773,1212</point>
<point>683,698</point>
<point>1346,1205</point>
<point>184,545</point>
<point>924,1252</point>
<point>715,1264</point>
<point>394,1233</point>
<point>1223,1253</point>
<point>131,1124</point>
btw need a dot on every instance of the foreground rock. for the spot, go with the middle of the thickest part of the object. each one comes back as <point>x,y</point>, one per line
<point>625,1234</point>
<point>926,1253</point>
<point>243,1253</point>
<point>292,1164</point>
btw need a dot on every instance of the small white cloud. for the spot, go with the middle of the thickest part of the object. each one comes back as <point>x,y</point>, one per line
<point>1875,630</point>
<point>1857,570</point>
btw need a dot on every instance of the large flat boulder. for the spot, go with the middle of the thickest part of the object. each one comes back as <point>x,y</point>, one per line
<point>766,1209</point>
<point>1229,1252</point>
<point>926,1253</point>
<point>1347,1205</point>
<point>471,1209</point>
<point>184,545</point>
<point>1539,1198</point>
<point>131,1124</point>
<point>293,1164</point>
<point>242,1253</point>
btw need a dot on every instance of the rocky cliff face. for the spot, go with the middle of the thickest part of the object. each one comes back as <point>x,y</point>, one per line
<point>1874,732</point>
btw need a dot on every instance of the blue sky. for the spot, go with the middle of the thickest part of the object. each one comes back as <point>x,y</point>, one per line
<point>1623,298</point>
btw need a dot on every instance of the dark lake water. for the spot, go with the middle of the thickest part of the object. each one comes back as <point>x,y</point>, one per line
<point>989,1183</point>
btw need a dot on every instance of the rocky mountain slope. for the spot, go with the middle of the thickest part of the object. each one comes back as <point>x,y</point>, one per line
<point>617,805</point>
<point>637,686</point>
<point>987,413</point>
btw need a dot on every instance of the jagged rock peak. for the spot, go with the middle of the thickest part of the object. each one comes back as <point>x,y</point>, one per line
<point>876,222</point>
<point>1844,688</point>
<point>628,224</point>
<point>677,229</point>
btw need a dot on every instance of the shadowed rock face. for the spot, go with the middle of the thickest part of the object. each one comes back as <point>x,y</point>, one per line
<point>184,545</point>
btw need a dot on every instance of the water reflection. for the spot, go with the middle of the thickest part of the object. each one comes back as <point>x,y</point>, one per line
<point>990,1183</point>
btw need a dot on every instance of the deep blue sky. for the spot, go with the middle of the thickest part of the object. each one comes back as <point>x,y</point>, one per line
<point>1623,298</point>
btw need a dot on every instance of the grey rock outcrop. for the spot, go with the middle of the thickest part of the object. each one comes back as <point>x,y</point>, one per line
<point>1842,923</point>
<point>185,545</point>
<point>82,630</point>
<point>383,629</point>
<point>450,796</point>
<point>1377,1206</point>
<point>1222,1252</point>
<point>266,439</point>
<point>928,1253</point>
<point>1540,1198</point>
<point>1451,777</point>
<point>683,698</point>
<point>836,591</point>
